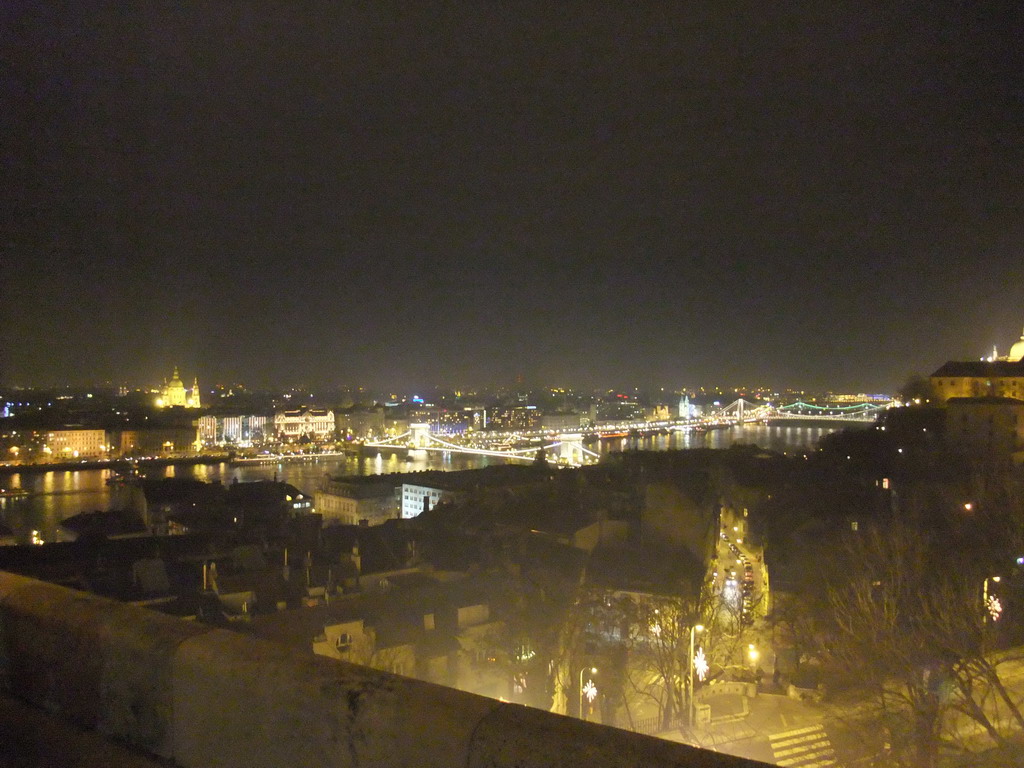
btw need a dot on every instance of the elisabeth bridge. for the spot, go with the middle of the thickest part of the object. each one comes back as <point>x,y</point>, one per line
<point>570,449</point>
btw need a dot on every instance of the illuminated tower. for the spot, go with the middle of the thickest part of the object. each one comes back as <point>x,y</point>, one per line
<point>193,397</point>
<point>685,411</point>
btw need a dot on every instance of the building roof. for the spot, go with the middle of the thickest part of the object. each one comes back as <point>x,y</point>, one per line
<point>305,410</point>
<point>495,476</point>
<point>464,479</point>
<point>650,568</point>
<point>980,369</point>
<point>265,492</point>
<point>381,547</point>
<point>360,490</point>
<point>396,615</point>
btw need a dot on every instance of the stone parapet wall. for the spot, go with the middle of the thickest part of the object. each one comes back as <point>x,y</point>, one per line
<point>209,697</point>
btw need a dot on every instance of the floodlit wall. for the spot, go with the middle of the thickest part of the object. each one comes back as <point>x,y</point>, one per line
<point>205,696</point>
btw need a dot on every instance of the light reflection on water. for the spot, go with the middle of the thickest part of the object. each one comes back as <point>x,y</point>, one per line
<point>775,438</point>
<point>59,495</point>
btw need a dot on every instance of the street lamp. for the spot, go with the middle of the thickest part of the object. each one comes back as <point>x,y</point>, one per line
<point>591,689</point>
<point>695,628</point>
<point>754,655</point>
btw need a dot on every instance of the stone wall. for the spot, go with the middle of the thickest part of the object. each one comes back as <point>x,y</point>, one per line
<point>209,697</point>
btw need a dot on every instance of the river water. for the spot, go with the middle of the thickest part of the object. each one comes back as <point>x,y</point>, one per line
<point>57,495</point>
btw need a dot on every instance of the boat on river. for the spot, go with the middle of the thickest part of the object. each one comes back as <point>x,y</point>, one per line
<point>130,476</point>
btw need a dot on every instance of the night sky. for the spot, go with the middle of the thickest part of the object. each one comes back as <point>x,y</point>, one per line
<point>406,194</point>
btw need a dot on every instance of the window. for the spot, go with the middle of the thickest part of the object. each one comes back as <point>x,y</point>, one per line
<point>344,642</point>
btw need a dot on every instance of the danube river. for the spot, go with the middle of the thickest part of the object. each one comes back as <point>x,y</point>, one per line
<point>54,496</point>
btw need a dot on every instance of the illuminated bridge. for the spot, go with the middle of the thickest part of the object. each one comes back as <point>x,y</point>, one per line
<point>566,449</point>
<point>745,412</point>
<point>866,412</point>
<point>569,449</point>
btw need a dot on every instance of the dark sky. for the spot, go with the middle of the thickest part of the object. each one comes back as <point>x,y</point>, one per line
<point>405,194</point>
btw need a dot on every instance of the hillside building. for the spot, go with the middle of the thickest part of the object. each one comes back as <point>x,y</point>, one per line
<point>994,376</point>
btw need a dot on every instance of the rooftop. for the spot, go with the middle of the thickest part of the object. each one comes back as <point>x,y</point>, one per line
<point>979,369</point>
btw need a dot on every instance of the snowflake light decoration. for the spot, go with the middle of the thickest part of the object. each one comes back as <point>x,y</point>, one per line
<point>590,691</point>
<point>700,664</point>
<point>995,607</point>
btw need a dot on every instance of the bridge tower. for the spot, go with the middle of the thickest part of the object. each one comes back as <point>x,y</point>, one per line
<point>419,435</point>
<point>570,449</point>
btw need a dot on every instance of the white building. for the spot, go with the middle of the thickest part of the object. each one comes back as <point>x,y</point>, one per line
<point>420,498</point>
<point>313,423</point>
<point>243,430</point>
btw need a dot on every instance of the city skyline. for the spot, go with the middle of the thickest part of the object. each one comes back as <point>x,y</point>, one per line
<point>403,197</point>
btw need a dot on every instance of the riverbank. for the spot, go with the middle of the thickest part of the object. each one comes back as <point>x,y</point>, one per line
<point>58,491</point>
<point>120,464</point>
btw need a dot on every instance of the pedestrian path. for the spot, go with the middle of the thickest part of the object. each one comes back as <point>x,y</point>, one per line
<point>807,747</point>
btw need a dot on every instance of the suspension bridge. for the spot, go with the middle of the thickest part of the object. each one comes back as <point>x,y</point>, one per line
<point>744,412</point>
<point>569,448</point>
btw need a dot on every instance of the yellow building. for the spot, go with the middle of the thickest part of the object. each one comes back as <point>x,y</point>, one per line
<point>76,444</point>
<point>174,394</point>
<point>991,377</point>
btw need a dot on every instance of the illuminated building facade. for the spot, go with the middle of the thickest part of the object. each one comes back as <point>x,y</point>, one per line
<point>997,378</point>
<point>421,498</point>
<point>76,443</point>
<point>993,376</point>
<point>304,423</point>
<point>619,411</point>
<point>244,430</point>
<point>174,394</point>
<point>520,418</point>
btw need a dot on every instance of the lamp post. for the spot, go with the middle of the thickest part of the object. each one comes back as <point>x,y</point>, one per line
<point>753,654</point>
<point>689,709</point>
<point>593,671</point>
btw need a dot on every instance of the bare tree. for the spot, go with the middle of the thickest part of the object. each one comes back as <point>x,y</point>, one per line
<point>657,644</point>
<point>657,638</point>
<point>908,629</point>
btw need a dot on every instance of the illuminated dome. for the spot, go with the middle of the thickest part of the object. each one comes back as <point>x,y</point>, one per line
<point>174,394</point>
<point>1017,351</point>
